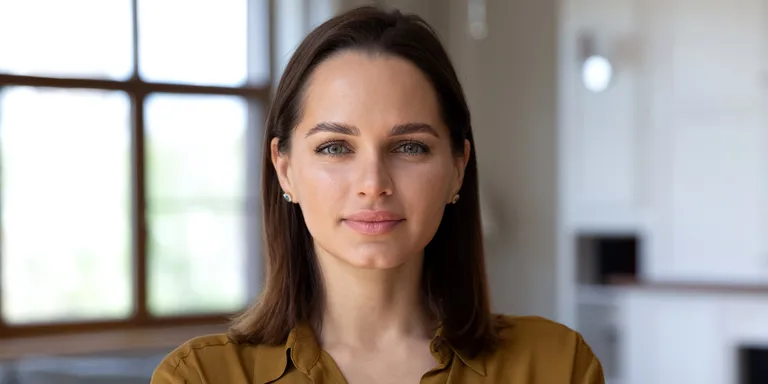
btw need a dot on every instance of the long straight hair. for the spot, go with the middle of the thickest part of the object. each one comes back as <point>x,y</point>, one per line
<point>454,282</point>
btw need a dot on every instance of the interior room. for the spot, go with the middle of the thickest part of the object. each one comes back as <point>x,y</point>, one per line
<point>623,166</point>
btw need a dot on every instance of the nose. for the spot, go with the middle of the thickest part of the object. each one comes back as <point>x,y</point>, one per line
<point>374,178</point>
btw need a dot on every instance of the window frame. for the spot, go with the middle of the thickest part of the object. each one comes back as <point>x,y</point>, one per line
<point>137,89</point>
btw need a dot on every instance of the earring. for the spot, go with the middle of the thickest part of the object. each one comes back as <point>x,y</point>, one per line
<point>287,197</point>
<point>455,199</point>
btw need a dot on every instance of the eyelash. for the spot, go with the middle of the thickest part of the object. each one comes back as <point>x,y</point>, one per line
<point>323,147</point>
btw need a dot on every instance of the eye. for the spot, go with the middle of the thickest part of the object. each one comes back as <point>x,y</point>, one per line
<point>413,148</point>
<point>332,149</point>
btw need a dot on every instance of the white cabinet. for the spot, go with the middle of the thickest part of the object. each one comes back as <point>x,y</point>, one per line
<point>709,110</point>
<point>672,338</point>
<point>743,325</point>
<point>718,165</point>
<point>688,337</point>
<point>597,322</point>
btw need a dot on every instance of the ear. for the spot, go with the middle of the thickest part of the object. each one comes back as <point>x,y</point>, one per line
<point>281,162</point>
<point>460,163</point>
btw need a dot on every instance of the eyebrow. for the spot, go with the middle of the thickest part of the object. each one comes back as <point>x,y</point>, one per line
<point>397,130</point>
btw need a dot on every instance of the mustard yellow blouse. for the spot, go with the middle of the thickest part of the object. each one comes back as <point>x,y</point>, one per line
<point>533,351</point>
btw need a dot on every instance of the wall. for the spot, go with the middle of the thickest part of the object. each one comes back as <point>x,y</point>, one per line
<point>510,82</point>
<point>513,96</point>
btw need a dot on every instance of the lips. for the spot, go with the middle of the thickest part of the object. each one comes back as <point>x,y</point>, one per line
<point>373,222</point>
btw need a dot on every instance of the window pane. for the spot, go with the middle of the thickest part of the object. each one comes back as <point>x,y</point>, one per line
<point>78,38</point>
<point>65,157</point>
<point>194,42</point>
<point>196,168</point>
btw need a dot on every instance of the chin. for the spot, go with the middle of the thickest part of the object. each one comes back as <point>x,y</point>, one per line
<point>375,256</point>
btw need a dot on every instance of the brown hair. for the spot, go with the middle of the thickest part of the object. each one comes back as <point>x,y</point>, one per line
<point>454,281</point>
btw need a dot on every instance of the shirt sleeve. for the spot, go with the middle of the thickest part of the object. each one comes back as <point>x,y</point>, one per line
<point>168,372</point>
<point>587,369</point>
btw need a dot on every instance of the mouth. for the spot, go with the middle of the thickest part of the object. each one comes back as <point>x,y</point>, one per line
<point>373,222</point>
<point>372,227</point>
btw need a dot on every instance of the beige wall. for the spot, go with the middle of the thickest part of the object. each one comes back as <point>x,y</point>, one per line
<point>510,81</point>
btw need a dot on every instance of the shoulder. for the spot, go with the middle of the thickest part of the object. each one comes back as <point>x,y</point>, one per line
<point>215,343</point>
<point>545,347</point>
<point>537,330</point>
<point>214,355</point>
<point>539,335</point>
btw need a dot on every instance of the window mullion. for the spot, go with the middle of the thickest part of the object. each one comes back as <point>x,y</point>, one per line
<point>139,229</point>
<point>139,209</point>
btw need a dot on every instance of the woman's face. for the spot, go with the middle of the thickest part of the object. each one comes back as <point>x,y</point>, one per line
<point>370,162</point>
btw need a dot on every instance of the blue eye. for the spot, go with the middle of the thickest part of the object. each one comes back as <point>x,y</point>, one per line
<point>333,149</point>
<point>413,149</point>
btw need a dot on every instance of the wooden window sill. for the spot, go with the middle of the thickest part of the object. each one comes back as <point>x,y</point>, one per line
<point>112,341</point>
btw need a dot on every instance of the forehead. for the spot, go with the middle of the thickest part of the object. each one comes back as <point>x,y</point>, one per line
<point>370,91</point>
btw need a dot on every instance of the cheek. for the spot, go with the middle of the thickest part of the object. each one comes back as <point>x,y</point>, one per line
<point>318,183</point>
<point>424,188</point>
<point>321,189</point>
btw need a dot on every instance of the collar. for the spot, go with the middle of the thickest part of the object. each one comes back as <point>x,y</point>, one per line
<point>443,351</point>
<point>271,361</point>
<point>477,364</point>
<point>304,351</point>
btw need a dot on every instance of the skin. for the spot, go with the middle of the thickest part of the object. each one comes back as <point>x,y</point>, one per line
<point>371,139</point>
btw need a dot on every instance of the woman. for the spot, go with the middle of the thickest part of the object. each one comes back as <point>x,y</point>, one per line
<point>375,258</point>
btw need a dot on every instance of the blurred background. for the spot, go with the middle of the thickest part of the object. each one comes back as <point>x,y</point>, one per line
<point>622,147</point>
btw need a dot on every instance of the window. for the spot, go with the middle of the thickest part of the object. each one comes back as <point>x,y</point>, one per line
<point>129,154</point>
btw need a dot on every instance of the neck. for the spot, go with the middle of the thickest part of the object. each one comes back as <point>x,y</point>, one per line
<point>368,308</point>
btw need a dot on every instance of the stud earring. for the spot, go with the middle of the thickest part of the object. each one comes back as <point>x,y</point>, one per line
<point>455,199</point>
<point>287,197</point>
